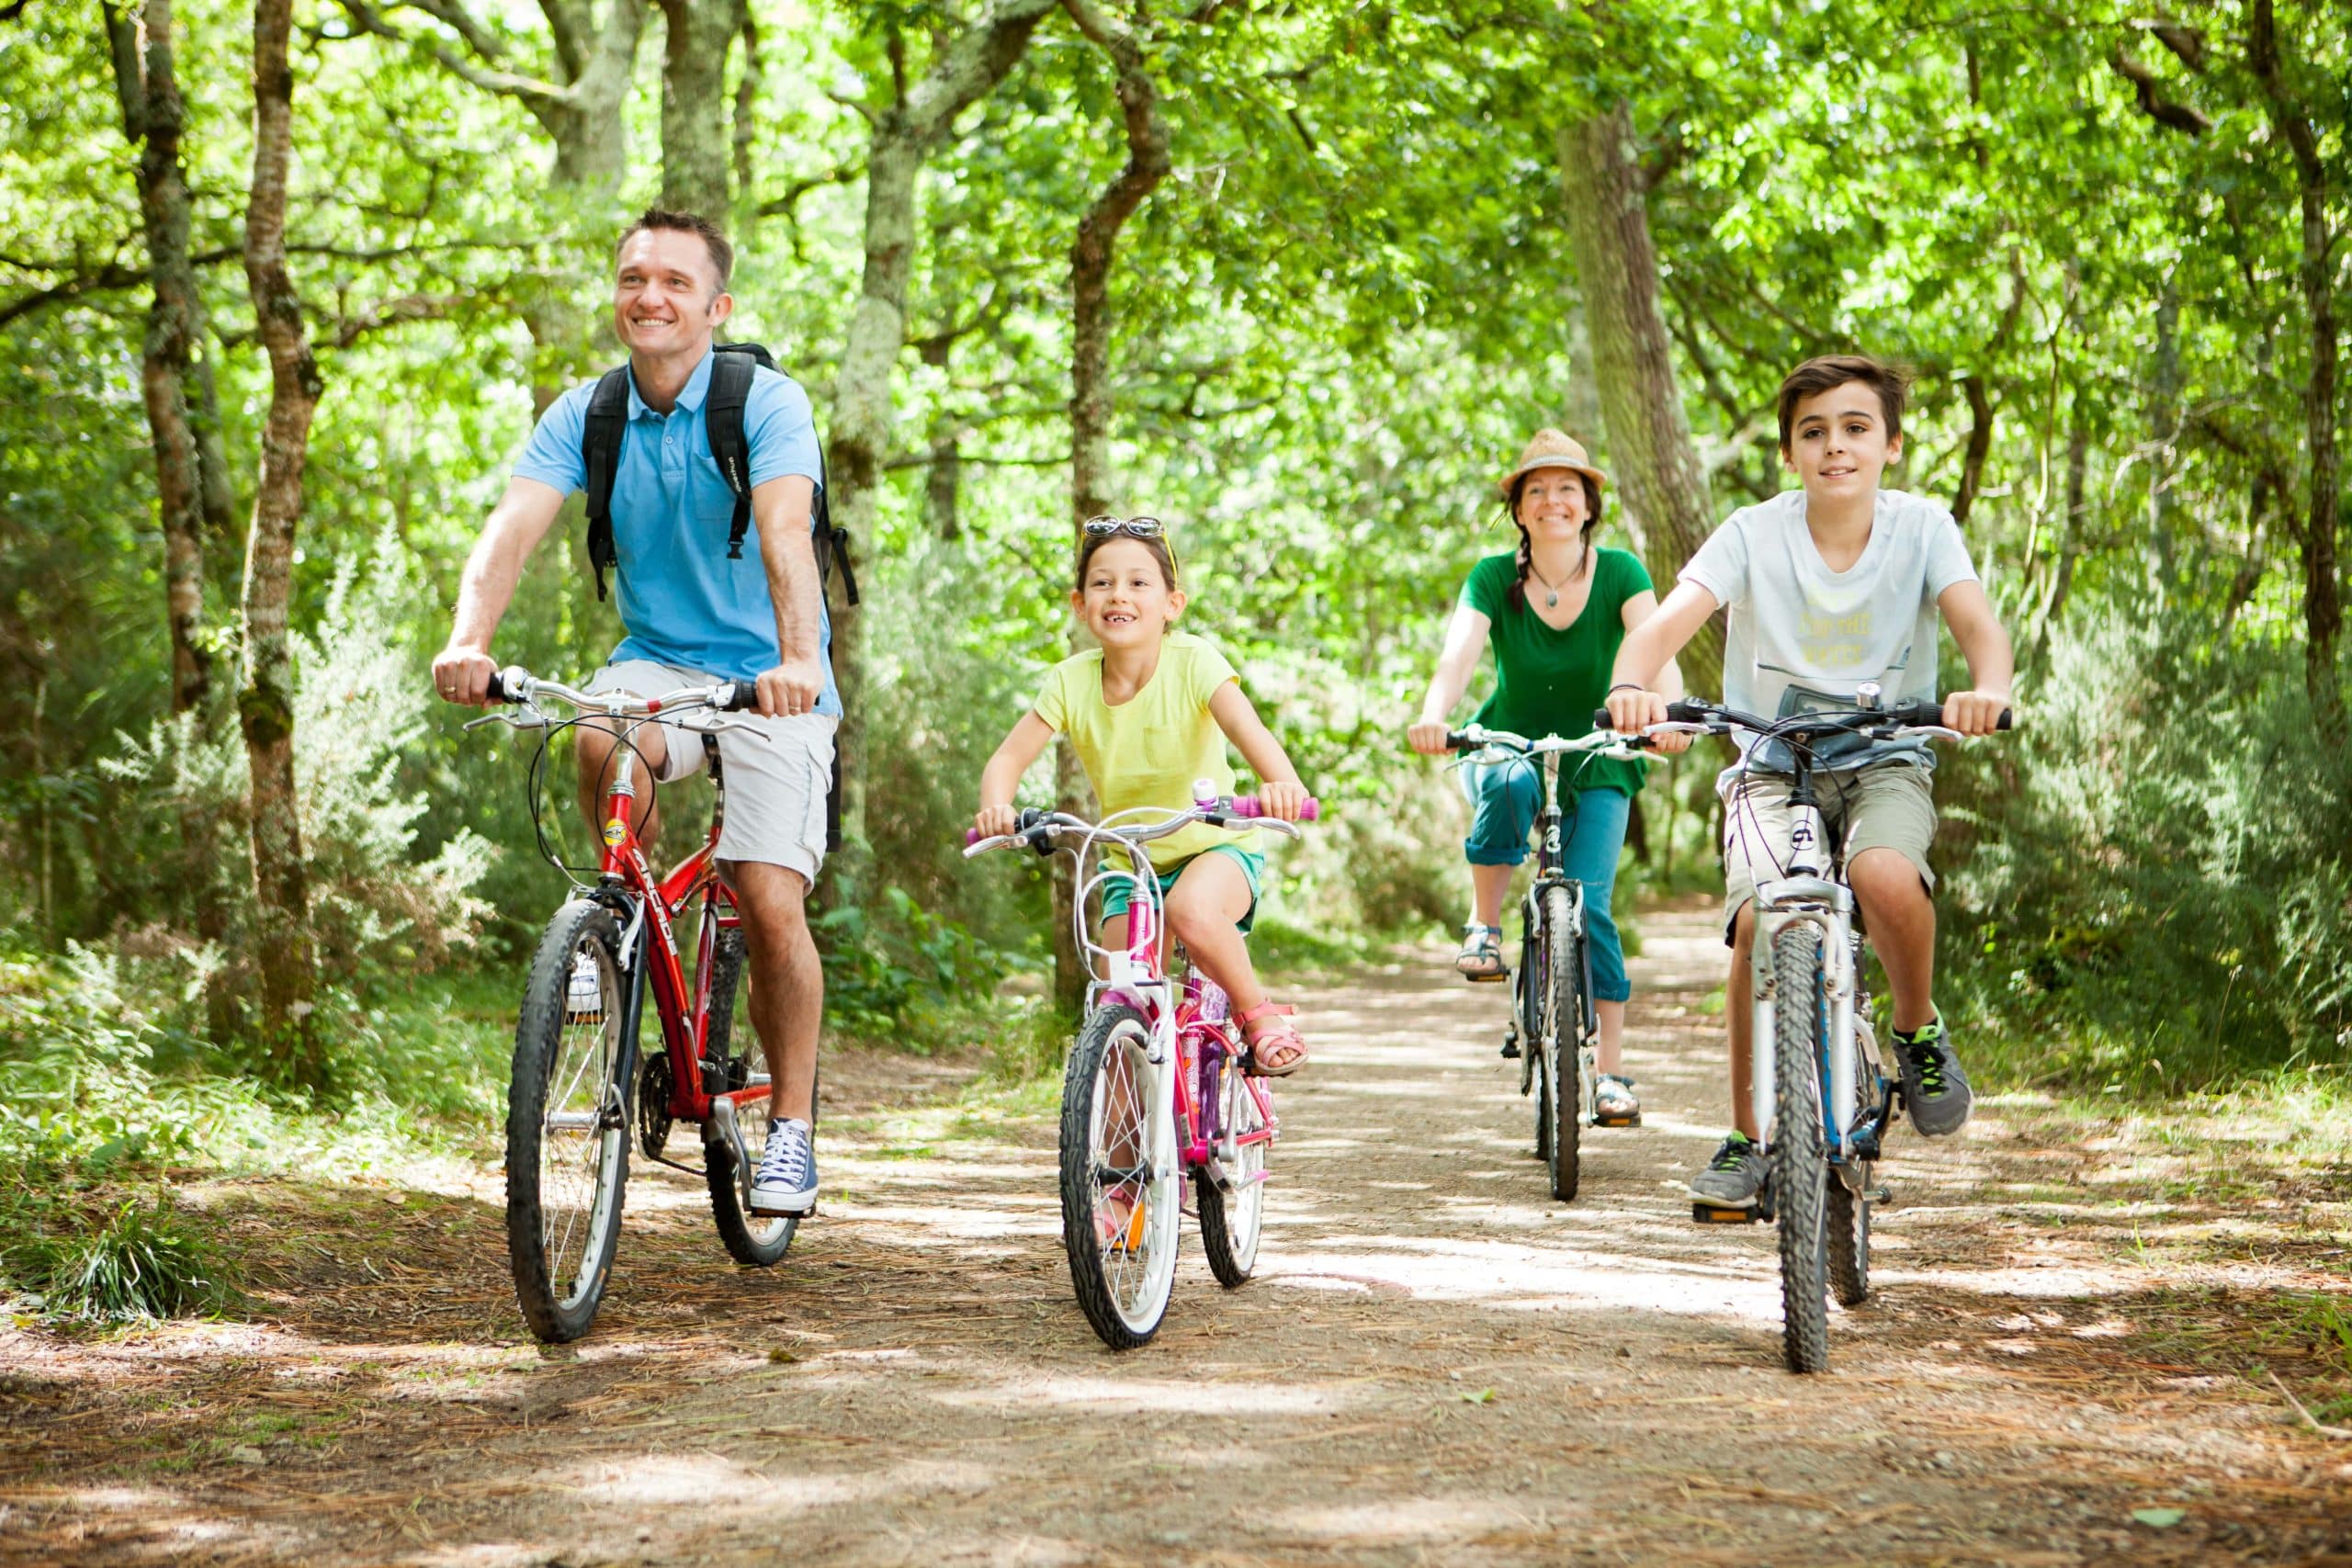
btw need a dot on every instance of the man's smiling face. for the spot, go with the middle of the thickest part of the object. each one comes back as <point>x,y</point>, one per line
<point>666,295</point>
<point>1838,444</point>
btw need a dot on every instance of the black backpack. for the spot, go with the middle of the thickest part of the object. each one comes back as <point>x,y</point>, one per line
<point>730,388</point>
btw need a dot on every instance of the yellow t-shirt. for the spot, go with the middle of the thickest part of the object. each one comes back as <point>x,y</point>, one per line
<point>1150,749</point>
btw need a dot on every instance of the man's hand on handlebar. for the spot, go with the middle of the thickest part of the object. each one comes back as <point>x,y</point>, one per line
<point>1975,713</point>
<point>462,674</point>
<point>791,688</point>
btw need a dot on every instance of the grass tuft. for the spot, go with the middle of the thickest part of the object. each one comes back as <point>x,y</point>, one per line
<point>135,1263</point>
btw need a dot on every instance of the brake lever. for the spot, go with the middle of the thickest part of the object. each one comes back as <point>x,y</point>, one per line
<point>1935,731</point>
<point>534,719</point>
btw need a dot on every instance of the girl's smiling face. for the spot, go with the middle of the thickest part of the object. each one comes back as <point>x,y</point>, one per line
<point>1124,599</point>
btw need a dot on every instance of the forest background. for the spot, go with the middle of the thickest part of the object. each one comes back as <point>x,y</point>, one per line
<point>282,286</point>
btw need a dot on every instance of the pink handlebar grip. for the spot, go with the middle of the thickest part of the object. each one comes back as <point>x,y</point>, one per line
<point>971,836</point>
<point>1249,806</point>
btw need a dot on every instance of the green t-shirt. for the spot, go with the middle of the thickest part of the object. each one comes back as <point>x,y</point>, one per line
<point>1549,683</point>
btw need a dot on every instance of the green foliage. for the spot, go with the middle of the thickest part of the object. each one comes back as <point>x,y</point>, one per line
<point>2158,895</point>
<point>131,1262</point>
<point>891,973</point>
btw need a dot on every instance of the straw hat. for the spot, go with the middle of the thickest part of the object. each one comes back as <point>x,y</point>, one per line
<point>1552,449</point>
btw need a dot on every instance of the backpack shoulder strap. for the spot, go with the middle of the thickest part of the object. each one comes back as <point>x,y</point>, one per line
<point>730,389</point>
<point>600,452</point>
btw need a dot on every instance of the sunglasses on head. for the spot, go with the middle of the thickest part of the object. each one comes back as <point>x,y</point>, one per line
<point>1107,526</point>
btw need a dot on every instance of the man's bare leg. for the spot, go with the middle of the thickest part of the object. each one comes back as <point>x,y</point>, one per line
<point>787,981</point>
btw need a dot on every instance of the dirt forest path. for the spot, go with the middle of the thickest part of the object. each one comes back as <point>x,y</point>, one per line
<point>1436,1364</point>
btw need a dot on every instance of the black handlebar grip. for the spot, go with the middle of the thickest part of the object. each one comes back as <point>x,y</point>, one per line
<point>1687,711</point>
<point>497,693</point>
<point>1600,719</point>
<point>743,696</point>
<point>1458,740</point>
<point>1933,713</point>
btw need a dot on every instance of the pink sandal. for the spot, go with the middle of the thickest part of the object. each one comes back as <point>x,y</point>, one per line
<point>1276,1036</point>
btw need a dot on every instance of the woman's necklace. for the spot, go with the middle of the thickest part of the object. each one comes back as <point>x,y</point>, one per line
<point>1552,589</point>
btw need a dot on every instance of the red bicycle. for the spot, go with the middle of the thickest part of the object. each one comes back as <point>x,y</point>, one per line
<point>577,1085</point>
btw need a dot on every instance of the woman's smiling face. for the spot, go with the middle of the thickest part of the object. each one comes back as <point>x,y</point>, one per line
<point>1553,504</point>
<point>1126,600</point>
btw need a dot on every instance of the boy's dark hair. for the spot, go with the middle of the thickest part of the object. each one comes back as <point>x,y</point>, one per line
<point>1891,382</point>
<point>1517,597</point>
<point>1091,543</point>
<point>722,254</point>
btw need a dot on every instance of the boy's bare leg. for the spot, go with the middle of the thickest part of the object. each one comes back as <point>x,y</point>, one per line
<point>1739,1019</point>
<point>1902,921</point>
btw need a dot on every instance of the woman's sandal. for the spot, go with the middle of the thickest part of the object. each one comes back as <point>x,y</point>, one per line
<point>1481,957</point>
<point>1277,1036</point>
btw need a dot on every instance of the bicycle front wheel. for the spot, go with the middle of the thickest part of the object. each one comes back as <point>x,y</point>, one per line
<point>1562,1039</point>
<point>757,1241</point>
<point>1799,1151</point>
<point>1232,1216</point>
<point>1848,1218</point>
<point>1118,1179</point>
<point>567,1124</point>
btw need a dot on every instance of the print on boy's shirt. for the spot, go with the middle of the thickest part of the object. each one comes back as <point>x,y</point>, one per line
<point>1832,641</point>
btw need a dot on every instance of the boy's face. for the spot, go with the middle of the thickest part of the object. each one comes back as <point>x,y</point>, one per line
<point>1838,445</point>
<point>1126,602</point>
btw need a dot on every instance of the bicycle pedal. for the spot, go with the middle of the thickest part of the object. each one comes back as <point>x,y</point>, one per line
<point>1709,1214</point>
<point>1633,1121</point>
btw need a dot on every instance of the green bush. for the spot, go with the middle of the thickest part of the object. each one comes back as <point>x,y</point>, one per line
<point>891,973</point>
<point>2148,887</point>
<point>135,1262</point>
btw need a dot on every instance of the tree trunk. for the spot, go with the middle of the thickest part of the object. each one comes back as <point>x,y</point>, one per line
<point>265,706</point>
<point>153,118</point>
<point>1090,257</point>
<point>943,484</point>
<point>1656,469</point>
<point>1981,414</point>
<point>694,119</point>
<point>2323,604</point>
<point>965,69</point>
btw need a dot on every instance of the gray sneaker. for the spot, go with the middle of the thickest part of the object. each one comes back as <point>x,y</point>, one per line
<point>1935,1091</point>
<point>1734,1176</point>
<point>786,1183</point>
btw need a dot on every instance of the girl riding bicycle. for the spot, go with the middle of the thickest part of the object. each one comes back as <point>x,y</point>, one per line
<point>1555,612</point>
<point>1150,712</point>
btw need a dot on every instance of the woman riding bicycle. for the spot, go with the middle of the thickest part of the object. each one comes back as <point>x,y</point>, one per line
<point>1555,612</point>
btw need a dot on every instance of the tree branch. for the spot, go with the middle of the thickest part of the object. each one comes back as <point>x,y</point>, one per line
<point>395,312</point>
<point>541,97</point>
<point>2178,117</point>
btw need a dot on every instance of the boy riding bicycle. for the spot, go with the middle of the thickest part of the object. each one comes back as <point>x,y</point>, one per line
<point>1831,585</point>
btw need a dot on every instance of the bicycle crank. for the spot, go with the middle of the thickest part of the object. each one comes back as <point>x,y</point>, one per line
<point>723,1133</point>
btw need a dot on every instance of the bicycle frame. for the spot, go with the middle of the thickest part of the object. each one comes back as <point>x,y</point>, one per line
<point>626,881</point>
<point>1191,1039</point>
<point>1814,893</point>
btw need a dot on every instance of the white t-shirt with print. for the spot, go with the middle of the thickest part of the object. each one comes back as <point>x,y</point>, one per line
<point>1805,636</point>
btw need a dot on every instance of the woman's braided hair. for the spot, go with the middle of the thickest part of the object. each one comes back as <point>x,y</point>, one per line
<point>1517,597</point>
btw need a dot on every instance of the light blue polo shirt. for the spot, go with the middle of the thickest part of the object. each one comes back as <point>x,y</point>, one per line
<point>683,601</point>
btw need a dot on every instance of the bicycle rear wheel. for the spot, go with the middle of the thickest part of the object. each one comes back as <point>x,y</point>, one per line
<point>755,1240</point>
<point>567,1124</point>
<point>1232,1216</point>
<point>1799,1151</point>
<point>1562,1040</point>
<point>1118,1179</point>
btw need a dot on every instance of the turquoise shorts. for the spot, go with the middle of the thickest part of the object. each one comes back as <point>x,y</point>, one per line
<point>1119,892</point>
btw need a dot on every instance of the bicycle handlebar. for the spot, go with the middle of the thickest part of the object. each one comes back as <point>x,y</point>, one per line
<point>1476,737</point>
<point>1035,828</point>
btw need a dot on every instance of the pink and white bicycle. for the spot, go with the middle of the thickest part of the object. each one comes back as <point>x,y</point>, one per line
<point>1156,1107</point>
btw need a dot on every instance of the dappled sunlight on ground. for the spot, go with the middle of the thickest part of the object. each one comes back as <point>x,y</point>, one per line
<point>1436,1364</point>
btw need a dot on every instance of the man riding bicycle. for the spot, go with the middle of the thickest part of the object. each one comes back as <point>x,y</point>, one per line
<point>696,613</point>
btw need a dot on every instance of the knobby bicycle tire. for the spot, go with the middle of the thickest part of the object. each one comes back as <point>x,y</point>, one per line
<point>1848,1218</point>
<point>1122,1292</point>
<point>1562,1007</point>
<point>1800,1152</point>
<point>568,1063</point>
<point>757,1241</point>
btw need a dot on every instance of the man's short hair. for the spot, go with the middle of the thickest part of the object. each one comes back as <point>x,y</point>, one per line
<point>722,254</point>
<point>1891,382</point>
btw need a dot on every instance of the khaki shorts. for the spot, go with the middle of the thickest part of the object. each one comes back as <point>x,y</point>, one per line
<point>1890,806</point>
<point>776,780</point>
